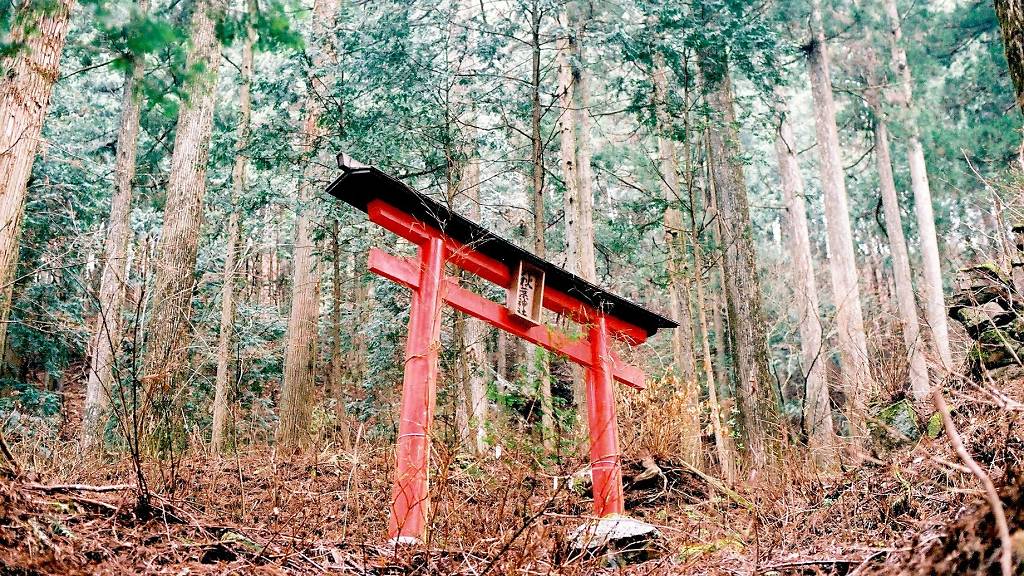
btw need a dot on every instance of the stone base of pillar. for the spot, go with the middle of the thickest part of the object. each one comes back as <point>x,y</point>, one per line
<point>620,540</point>
<point>400,541</point>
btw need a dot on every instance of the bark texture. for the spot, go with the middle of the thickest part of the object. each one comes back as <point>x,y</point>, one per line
<point>717,308</point>
<point>817,409</point>
<point>678,285</point>
<point>475,334</point>
<point>225,341</point>
<point>585,265</point>
<point>337,360</point>
<point>849,320</point>
<point>1011,22</point>
<point>107,332</point>
<point>301,346</point>
<point>472,332</point>
<point>755,392</point>
<point>539,222</point>
<point>26,81</point>
<point>168,326</point>
<point>567,141</point>
<point>574,123</point>
<point>935,302</point>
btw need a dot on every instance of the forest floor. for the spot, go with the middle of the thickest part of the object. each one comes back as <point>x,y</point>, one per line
<point>914,510</point>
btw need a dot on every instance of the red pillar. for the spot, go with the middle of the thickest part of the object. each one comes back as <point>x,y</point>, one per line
<point>605,460</point>
<point>410,499</point>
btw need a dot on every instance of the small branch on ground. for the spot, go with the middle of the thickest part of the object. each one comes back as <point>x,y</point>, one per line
<point>813,562</point>
<point>1005,558</point>
<point>78,487</point>
<point>94,503</point>
<point>720,486</point>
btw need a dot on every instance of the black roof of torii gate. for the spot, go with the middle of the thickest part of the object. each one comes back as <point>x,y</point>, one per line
<point>359,184</point>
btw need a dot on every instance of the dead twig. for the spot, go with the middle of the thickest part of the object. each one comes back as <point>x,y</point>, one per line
<point>81,500</point>
<point>1005,556</point>
<point>867,561</point>
<point>720,486</point>
<point>78,487</point>
<point>95,503</point>
<point>813,562</point>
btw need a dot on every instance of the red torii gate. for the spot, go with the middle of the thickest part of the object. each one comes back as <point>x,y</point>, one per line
<point>442,237</point>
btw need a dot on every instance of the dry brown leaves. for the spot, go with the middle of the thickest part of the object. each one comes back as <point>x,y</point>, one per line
<point>913,511</point>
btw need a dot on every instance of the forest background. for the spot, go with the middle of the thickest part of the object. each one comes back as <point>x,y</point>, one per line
<point>797,183</point>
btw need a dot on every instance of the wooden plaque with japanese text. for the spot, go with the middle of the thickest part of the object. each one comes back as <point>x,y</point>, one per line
<point>526,293</point>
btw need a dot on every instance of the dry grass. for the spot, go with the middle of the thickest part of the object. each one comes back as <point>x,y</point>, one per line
<point>326,510</point>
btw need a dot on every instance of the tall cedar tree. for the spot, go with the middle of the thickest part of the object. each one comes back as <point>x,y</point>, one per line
<point>474,331</point>
<point>301,345</point>
<point>537,192</point>
<point>755,389</point>
<point>169,331</point>
<point>678,286</point>
<point>906,303</point>
<point>853,346</point>
<point>935,304</point>
<point>27,74</point>
<point>107,334</point>
<point>225,340</point>
<point>817,405</point>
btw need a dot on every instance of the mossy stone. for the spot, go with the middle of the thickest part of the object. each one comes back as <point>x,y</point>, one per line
<point>935,425</point>
<point>897,424</point>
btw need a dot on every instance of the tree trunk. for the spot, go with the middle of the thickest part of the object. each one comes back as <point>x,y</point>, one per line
<point>724,447</point>
<point>539,222</point>
<point>853,347</point>
<point>168,327</point>
<point>464,183</point>
<point>26,80</point>
<point>585,260</point>
<point>353,363</point>
<point>755,392</point>
<point>718,308</point>
<point>301,341</point>
<point>225,340</point>
<point>107,335</point>
<point>459,375</point>
<point>935,303</point>
<point>679,292</point>
<point>268,254</point>
<point>501,359</point>
<point>574,124</point>
<point>817,409</point>
<point>358,367</point>
<point>455,164</point>
<point>475,331</point>
<point>567,133</point>
<point>919,385</point>
<point>301,347</point>
<point>337,375</point>
<point>1011,21</point>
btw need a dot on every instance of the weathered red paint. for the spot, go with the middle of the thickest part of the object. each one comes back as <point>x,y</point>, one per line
<point>605,459</point>
<point>430,286</point>
<point>410,499</point>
